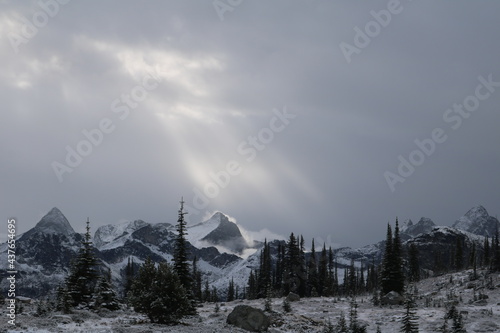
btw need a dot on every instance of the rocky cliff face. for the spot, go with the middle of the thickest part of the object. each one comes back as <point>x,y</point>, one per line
<point>478,221</point>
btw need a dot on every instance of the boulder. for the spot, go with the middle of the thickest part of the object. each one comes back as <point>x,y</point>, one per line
<point>249,318</point>
<point>392,298</point>
<point>292,297</point>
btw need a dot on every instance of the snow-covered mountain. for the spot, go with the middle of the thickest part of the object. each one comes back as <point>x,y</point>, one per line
<point>478,221</point>
<point>45,251</point>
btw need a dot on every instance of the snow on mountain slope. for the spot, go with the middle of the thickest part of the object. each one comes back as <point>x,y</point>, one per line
<point>198,231</point>
<point>54,222</point>
<point>110,233</point>
<point>478,221</point>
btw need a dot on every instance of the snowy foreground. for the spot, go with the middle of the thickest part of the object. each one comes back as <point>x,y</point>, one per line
<point>308,315</point>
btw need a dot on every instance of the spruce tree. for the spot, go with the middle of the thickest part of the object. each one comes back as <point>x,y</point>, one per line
<point>129,277</point>
<point>385,274</point>
<point>397,274</point>
<point>159,294</point>
<point>105,295</point>
<point>312,273</point>
<point>413,263</point>
<point>459,256</point>
<point>495,264</point>
<point>323,272</point>
<point>181,263</point>
<point>83,277</point>
<point>230,291</point>
<point>265,270</point>
<point>486,252</point>
<point>409,322</point>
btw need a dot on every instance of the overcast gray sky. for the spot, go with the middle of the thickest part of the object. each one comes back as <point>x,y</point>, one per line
<point>298,114</point>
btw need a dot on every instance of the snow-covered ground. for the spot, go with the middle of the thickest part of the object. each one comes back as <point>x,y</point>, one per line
<point>308,315</point>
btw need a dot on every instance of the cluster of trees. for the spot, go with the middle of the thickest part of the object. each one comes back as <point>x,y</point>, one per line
<point>88,284</point>
<point>165,292</point>
<point>293,271</point>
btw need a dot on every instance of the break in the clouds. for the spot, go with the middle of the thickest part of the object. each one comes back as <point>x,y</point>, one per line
<point>288,115</point>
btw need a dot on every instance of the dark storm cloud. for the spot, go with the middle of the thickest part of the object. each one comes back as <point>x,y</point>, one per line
<point>219,82</point>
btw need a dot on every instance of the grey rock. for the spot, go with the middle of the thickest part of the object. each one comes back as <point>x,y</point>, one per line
<point>249,318</point>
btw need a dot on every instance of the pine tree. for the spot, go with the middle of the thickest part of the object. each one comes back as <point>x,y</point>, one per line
<point>459,256</point>
<point>385,274</point>
<point>230,291</point>
<point>409,323</point>
<point>354,325</point>
<point>196,275</point>
<point>351,284</point>
<point>206,292</point>
<point>486,252</point>
<point>181,263</point>
<point>158,293</point>
<point>392,277</point>
<point>83,277</point>
<point>265,270</point>
<point>323,280</point>
<point>397,275</point>
<point>251,286</point>
<point>413,263</point>
<point>341,326</point>
<point>105,295</point>
<point>495,264</point>
<point>129,277</point>
<point>312,273</point>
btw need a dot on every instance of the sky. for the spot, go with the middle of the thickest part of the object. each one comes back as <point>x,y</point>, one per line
<point>323,118</point>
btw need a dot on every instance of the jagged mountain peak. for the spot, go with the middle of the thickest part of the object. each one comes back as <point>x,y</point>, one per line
<point>106,234</point>
<point>478,221</point>
<point>476,212</point>
<point>54,222</point>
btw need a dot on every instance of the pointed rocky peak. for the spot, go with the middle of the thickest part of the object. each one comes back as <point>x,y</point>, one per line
<point>54,222</point>
<point>111,232</point>
<point>226,234</point>
<point>477,221</point>
<point>477,212</point>
<point>424,225</point>
<point>218,216</point>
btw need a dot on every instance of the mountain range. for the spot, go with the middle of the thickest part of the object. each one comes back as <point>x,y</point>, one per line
<point>44,253</point>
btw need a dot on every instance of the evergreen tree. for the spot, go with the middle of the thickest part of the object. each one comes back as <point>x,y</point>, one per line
<point>230,291</point>
<point>409,323</point>
<point>392,277</point>
<point>280,269</point>
<point>350,284</point>
<point>323,280</point>
<point>206,292</point>
<point>486,252</point>
<point>105,295</point>
<point>354,325</point>
<point>158,293</point>
<point>83,276</point>
<point>495,265</point>
<point>459,256</point>
<point>413,263</point>
<point>181,263</point>
<point>397,275</point>
<point>385,274</point>
<point>341,326</point>
<point>196,274</point>
<point>312,273</point>
<point>252,286</point>
<point>129,277</point>
<point>265,270</point>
